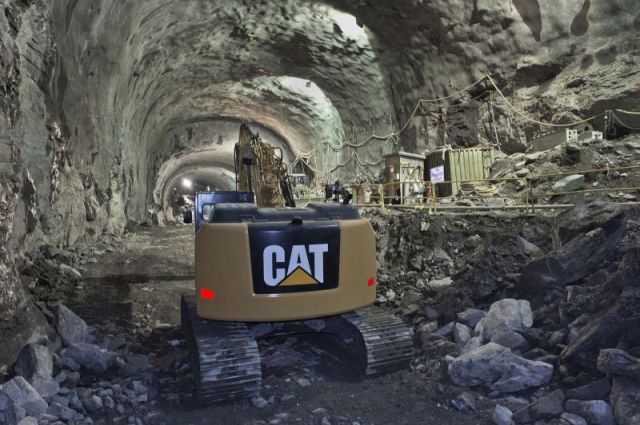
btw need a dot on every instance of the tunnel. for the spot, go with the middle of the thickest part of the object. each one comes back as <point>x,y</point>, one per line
<point>482,155</point>
<point>176,78</point>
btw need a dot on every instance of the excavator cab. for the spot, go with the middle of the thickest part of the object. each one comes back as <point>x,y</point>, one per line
<point>206,202</point>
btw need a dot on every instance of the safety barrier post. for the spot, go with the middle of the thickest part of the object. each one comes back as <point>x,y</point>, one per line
<point>381,190</point>
<point>530,195</point>
<point>433,199</point>
<point>526,193</point>
<point>420,201</point>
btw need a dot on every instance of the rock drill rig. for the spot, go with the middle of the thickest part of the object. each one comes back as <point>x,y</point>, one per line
<point>275,271</point>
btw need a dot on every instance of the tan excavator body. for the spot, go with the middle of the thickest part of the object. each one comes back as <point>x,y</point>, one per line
<point>225,287</point>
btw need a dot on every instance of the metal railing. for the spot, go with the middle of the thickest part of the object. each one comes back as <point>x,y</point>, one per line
<point>424,194</point>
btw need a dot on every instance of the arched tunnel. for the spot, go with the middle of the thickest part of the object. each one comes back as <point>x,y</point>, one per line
<point>489,148</point>
<point>156,83</point>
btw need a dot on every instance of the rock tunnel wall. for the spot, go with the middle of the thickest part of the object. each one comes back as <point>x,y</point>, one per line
<point>26,168</point>
<point>92,91</point>
<point>555,60</point>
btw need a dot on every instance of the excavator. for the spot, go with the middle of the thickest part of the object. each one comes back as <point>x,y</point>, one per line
<point>260,169</point>
<point>265,268</point>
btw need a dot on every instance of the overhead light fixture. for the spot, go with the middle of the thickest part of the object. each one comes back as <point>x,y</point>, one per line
<point>186,183</point>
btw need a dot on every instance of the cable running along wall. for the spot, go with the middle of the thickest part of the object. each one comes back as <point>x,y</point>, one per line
<point>306,158</point>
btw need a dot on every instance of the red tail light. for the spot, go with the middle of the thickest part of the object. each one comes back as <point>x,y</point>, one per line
<point>207,294</point>
<point>372,281</point>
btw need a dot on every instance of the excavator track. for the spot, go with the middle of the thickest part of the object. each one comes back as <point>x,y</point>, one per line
<point>226,360</point>
<point>225,357</point>
<point>385,343</point>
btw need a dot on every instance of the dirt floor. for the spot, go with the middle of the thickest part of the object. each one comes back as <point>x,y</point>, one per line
<point>137,290</point>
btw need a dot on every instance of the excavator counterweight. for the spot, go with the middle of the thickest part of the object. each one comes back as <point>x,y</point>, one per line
<point>260,169</point>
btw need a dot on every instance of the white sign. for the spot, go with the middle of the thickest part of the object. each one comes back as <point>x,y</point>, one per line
<point>437,173</point>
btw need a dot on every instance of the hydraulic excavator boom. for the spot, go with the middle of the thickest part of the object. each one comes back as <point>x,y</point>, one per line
<point>260,169</point>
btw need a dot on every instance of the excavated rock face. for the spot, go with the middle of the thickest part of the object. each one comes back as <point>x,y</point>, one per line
<point>10,290</point>
<point>557,59</point>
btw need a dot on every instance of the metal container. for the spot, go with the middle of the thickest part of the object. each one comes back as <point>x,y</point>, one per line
<point>550,141</point>
<point>404,172</point>
<point>363,194</point>
<point>458,166</point>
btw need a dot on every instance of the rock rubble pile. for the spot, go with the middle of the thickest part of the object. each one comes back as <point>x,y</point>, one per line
<point>77,378</point>
<point>551,334</point>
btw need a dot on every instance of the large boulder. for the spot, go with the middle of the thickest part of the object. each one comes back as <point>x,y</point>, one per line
<point>45,386</point>
<point>572,262</point>
<point>15,334</point>
<point>9,415</point>
<point>505,315</point>
<point>619,362</point>
<point>512,340</point>
<point>498,369</point>
<point>91,357</point>
<point>72,329</point>
<point>546,407</point>
<point>471,317</point>
<point>34,360</point>
<point>569,183</point>
<point>596,390</point>
<point>589,215</point>
<point>35,364</point>
<point>601,332</point>
<point>596,412</point>
<point>23,395</point>
<point>625,400</point>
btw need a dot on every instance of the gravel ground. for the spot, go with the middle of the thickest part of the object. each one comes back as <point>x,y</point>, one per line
<point>138,288</point>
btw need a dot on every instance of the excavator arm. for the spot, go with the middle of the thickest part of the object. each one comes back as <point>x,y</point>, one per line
<point>260,169</point>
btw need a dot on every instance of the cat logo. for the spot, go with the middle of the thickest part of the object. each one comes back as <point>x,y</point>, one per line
<point>305,265</point>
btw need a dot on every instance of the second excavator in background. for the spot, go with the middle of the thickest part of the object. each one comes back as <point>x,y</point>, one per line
<point>260,169</point>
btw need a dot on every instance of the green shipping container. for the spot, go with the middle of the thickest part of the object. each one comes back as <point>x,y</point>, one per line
<point>458,166</point>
